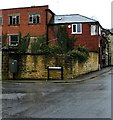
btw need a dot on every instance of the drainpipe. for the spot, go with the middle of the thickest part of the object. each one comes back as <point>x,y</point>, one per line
<point>99,63</point>
<point>46,27</point>
<point>99,54</point>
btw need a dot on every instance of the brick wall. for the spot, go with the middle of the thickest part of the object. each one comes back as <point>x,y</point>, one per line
<point>84,39</point>
<point>0,64</point>
<point>24,27</point>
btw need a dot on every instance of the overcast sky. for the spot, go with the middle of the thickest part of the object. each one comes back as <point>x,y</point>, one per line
<point>96,9</point>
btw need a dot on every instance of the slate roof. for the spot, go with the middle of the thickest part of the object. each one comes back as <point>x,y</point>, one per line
<point>111,30</point>
<point>73,18</point>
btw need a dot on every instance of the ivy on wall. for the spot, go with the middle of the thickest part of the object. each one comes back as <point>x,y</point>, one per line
<point>65,46</point>
<point>81,56</point>
<point>23,43</point>
<point>40,46</point>
<point>4,39</point>
<point>63,39</point>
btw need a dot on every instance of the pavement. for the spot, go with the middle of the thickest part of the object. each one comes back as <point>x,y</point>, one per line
<point>79,79</point>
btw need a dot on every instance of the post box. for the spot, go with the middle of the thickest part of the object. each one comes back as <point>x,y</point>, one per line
<point>13,66</point>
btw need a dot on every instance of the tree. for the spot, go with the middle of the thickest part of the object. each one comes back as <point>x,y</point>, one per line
<point>66,42</point>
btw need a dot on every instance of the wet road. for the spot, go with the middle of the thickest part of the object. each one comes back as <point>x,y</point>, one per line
<point>91,99</point>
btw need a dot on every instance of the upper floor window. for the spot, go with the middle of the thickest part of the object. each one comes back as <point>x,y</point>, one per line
<point>13,40</point>
<point>100,30</point>
<point>94,30</point>
<point>34,19</point>
<point>14,20</point>
<point>76,28</point>
<point>1,20</point>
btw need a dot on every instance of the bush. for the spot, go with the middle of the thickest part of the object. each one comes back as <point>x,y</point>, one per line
<point>51,49</point>
<point>80,56</point>
<point>23,44</point>
<point>38,45</point>
<point>55,49</point>
<point>63,39</point>
<point>83,49</point>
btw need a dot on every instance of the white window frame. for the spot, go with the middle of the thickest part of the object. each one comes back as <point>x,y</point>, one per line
<point>94,30</point>
<point>34,15</point>
<point>0,39</point>
<point>100,31</point>
<point>1,22</point>
<point>76,32</point>
<point>14,17</point>
<point>10,40</point>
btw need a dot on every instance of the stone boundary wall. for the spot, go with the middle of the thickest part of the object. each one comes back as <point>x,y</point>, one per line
<point>0,64</point>
<point>111,45</point>
<point>5,64</point>
<point>35,66</point>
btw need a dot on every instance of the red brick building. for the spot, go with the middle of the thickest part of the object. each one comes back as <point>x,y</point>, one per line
<point>86,30</point>
<point>89,33</point>
<point>39,20</point>
<point>29,20</point>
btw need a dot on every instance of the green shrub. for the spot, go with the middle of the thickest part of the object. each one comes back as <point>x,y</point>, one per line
<point>83,49</point>
<point>55,49</point>
<point>23,44</point>
<point>38,45</point>
<point>80,56</point>
<point>64,46</point>
<point>64,41</point>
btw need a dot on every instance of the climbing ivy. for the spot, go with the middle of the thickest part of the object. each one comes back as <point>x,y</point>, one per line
<point>23,43</point>
<point>38,44</point>
<point>81,54</point>
<point>63,39</point>
<point>65,46</point>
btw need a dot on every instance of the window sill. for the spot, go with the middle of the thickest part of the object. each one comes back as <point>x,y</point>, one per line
<point>33,23</point>
<point>13,45</point>
<point>14,25</point>
<point>76,33</point>
<point>95,35</point>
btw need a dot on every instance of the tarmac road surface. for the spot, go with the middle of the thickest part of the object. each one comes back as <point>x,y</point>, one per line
<point>90,99</point>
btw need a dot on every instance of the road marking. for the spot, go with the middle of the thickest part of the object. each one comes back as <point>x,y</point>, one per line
<point>59,83</point>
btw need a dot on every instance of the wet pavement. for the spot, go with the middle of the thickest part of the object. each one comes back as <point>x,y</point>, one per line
<point>90,99</point>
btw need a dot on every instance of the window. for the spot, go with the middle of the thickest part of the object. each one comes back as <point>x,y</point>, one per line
<point>34,19</point>
<point>94,30</point>
<point>0,20</point>
<point>13,40</point>
<point>77,29</point>
<point>14,20</point>
<point>99,31</point>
